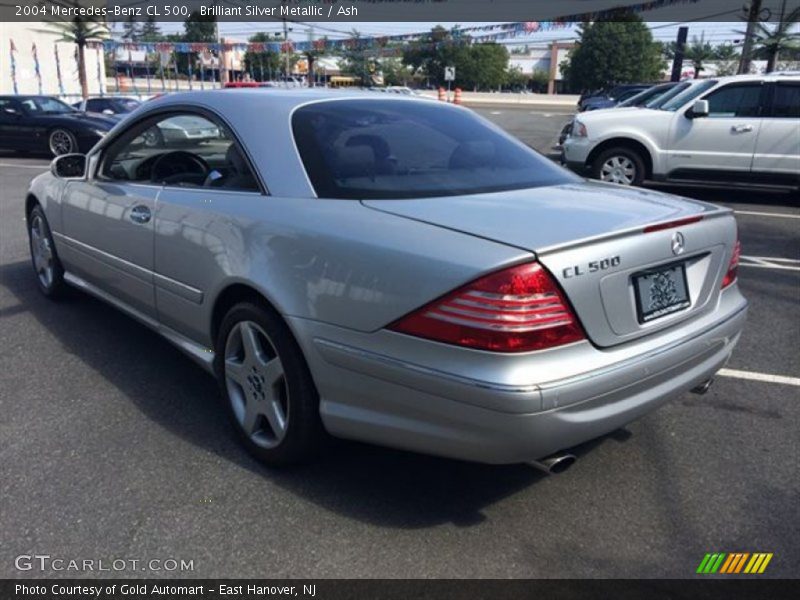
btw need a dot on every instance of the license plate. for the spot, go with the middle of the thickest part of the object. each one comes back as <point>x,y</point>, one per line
<point>660,292</point>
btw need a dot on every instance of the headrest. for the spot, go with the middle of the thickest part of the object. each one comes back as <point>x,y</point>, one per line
<point>234,158</point>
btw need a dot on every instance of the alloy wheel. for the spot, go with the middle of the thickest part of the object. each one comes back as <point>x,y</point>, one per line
<point>41,252</point>
<point>256,384</point>
<point>61,142</point>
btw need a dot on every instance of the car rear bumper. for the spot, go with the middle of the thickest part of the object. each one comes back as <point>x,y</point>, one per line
<point>371,396</point>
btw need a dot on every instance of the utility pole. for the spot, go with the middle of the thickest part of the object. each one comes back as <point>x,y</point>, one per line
<point>680,47</point>
<point>286,52</point>
<point>753,17</point>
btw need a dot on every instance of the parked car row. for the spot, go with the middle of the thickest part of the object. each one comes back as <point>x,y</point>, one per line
<point>742,128</point>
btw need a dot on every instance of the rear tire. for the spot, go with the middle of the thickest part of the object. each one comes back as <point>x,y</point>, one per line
<point>268,390</point>
<point>46,265</point>
<point>620,165</point>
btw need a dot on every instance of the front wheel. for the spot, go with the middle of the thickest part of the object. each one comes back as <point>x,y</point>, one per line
<point>62,141</point>
<point>270,396</point>
<point>48,269</point>
<point>619,165</point>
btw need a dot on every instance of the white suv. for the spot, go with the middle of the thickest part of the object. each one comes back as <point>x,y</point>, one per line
<point>741,128</point>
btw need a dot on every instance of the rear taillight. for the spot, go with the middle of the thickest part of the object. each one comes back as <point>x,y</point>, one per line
<point>733,266</point>
<point>514,310</point>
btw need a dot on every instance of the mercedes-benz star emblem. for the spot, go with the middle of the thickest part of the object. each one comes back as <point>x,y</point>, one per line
<point>678,243</point>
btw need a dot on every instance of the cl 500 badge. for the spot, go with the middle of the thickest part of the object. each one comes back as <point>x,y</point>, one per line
<point>591,267</point>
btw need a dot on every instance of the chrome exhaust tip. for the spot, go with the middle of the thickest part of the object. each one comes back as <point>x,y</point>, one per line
<point>703,387</point>
<point>554,464</point>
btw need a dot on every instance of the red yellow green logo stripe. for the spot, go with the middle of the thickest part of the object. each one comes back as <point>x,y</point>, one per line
<point>734,563</point>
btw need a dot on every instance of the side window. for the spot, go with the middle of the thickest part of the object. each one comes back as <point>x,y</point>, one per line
<point>786,102</point>
<point>735,101</point>
<point>9,107</point>
<point>183,150</point>
<point>95,105</point>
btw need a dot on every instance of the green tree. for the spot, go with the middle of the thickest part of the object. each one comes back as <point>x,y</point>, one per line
<point>80,32</point>
<point>196,28</point>
<point>359,60</point>
<point>131,29</point>
<point>727,57</point>
<point>262,64</point>
<point>770,41</point>
<point>699,52</point>
<point>618,49</point>
<point>395,72</point>
<point>150,31</point>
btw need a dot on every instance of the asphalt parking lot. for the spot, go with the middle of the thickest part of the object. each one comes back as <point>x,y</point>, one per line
<point>114,445</point>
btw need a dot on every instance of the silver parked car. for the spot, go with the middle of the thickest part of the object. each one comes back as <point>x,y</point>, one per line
<point>392,271</point>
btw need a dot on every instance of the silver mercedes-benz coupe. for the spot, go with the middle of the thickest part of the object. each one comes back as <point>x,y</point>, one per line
<point>392,270</point>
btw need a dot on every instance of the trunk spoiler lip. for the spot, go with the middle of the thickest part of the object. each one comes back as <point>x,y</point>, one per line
<point>716,212</point>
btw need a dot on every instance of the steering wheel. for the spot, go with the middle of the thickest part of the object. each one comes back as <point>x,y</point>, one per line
<point>179,167</point>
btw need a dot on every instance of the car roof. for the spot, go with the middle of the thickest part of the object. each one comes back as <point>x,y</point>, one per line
<point>260,118</point>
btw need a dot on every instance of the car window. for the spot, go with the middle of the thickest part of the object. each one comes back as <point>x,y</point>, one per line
<point>8,103</point>
<point>687,95</point>
<point>735,100</point>
<point>786,101</point>
<point>95,105</point>
<point>661,99</point>
<point>411,149</point>
<point>44,105</point>
<point>183,150</point>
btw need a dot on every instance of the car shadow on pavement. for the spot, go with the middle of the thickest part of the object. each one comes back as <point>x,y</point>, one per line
<point>377,485</point>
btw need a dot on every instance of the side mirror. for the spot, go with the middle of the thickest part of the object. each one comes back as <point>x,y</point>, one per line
<point>11,111</point>
<point>700,109</point>
<point>69,166</point>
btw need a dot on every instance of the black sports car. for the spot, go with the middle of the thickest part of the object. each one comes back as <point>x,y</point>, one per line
<point>44,123</point>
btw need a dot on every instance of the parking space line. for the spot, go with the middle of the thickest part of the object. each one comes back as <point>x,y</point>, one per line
<point>766,262</point>
<point>40,167</point>
<point>766,214</point>
<point>765,377</point>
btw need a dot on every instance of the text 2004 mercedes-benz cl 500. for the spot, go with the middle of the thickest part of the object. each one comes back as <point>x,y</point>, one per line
<point>392,270</point>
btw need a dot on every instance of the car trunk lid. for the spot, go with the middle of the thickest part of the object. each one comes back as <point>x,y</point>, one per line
<point>592,237</point>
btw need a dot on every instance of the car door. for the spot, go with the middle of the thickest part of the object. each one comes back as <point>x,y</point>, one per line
<point>778,146</point>
<point>12,127</point>
<point>194,233</point>
<point>108,222</point>
<point>725,139</point>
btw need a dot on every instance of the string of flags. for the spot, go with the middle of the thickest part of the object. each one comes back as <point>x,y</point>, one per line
<point>384,45</point>
<point>479,33</point>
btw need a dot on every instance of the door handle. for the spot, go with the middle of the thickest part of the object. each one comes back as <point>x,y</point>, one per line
<point>140,214</point>
<point>742,128</point>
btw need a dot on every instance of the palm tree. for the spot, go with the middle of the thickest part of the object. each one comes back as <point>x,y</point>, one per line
<point>79,31</point>
<point>770,41</point>
<point>699,52</point>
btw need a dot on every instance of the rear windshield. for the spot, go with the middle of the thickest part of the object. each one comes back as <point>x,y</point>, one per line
<point>361,149</point>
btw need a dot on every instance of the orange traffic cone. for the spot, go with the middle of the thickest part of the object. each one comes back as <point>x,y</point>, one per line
<point>457,97</point>
<point>442,96</point>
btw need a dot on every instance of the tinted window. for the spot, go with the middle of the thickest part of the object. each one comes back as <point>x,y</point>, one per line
<point>183,150</point>
<point>687,95</point>
<point>660,100</point>
<point>735,101</point>
<point>786,102</point>
<point>412,149</point>
<point>45,105</point>
<point>96,105</point>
